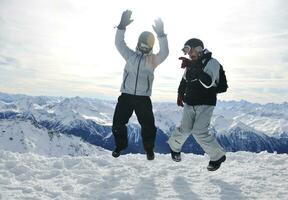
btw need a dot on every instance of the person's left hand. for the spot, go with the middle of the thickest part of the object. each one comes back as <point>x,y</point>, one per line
<point>159,27</point>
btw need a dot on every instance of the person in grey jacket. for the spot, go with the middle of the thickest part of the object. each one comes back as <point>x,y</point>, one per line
<point>137,83</point>
<point>198,95</point>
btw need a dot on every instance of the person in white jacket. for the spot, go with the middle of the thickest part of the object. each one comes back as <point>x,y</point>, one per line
<point>137,83</point>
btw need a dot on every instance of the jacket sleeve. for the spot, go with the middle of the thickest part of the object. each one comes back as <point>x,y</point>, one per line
<point>210,74</point>
<point>163,52</point>
<point>182,85</point>
<point>121,46</point>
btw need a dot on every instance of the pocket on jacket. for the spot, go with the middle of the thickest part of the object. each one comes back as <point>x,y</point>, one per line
<point>125,78</point>
<point>148,84</point>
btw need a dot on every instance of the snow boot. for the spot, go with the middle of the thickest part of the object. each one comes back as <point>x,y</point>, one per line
<point>214,165</point>
<point>176,156</point>
<point>150,155</point>
<point>116,153</point>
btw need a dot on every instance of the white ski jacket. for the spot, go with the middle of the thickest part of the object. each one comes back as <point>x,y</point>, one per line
<point>138,74</point>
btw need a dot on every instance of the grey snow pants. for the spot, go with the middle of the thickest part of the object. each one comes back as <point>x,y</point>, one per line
<point>196,120</point>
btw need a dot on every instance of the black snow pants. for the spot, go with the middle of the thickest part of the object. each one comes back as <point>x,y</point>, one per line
<point>143,109</point>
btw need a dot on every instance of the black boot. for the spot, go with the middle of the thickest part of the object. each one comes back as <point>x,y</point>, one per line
<point>116,153</point>
<point>214,165</point>
<point>176,156</point>
<point>150,155</point>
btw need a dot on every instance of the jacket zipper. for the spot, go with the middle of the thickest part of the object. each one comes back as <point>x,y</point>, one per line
<point>137,74</point>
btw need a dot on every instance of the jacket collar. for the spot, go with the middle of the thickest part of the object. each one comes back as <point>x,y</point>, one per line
<point>206,55</point>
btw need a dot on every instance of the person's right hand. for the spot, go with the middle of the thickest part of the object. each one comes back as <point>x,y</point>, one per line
<point>125,19</point>
<point>186,62</point>
<point>180,100</point>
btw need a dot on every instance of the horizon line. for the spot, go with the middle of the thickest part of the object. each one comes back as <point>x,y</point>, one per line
<point>110,98</point>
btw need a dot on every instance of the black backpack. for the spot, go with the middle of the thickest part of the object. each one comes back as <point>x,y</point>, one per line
<point>222,85</point>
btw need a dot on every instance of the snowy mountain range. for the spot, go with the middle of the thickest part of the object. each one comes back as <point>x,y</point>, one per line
<point>77,126</point>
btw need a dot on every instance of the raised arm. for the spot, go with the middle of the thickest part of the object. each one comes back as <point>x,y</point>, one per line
<point>163,43</point>
<point>120,43</point>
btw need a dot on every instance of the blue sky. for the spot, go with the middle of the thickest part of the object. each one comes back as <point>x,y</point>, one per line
<point>66,47</point>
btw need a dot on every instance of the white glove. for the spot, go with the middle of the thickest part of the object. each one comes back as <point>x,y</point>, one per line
<point>159,27</point>
<point>125,19</point>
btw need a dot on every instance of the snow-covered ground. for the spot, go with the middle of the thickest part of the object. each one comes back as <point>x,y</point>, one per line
<point>36,162</point>
<point>131,177</point>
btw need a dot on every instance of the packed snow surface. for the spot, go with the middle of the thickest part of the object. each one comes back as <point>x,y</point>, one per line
<point>130,177</point>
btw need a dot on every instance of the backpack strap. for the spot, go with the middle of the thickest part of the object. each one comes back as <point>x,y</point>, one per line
<point>206,61</point>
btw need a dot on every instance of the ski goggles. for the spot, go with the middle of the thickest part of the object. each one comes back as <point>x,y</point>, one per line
<point>186,49</point>
<point>144,47</point>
